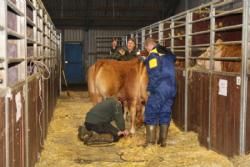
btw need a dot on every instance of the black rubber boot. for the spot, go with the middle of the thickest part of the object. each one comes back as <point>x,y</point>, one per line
<point>84,134</point>
<point>150,135</point>
<point>163,133</point>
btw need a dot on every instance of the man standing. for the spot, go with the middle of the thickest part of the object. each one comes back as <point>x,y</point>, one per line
<point>98,123</point>
<point>162,90</point>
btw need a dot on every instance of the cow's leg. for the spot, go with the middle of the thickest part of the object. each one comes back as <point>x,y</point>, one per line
<point>132,110</point>
<point>140,114</point>
<point>96,97</point>
<point>125,110</point>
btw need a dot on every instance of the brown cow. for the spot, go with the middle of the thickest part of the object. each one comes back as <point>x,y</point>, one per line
<point>220,51</point>
<point>126,80</point>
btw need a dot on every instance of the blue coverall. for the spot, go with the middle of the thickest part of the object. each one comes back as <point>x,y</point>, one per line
<point>162,87</point>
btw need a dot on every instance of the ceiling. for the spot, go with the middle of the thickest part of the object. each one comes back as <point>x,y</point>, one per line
<point>109,14</point>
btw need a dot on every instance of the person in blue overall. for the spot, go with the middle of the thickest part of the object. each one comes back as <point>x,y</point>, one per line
<point>162,90</point>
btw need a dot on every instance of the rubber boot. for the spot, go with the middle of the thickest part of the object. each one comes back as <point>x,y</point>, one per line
<point>150,135</point>
<point>99,139</point>
<point>84,134</point>
<point>163,133</point>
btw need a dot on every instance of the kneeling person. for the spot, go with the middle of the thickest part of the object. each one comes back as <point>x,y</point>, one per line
<point>97,127</point>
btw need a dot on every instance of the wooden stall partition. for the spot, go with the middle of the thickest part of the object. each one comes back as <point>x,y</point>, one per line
<point>225,114</point>
<point>198,105</point>
<point>16,127</point>
<point>179,104</point>
<point>54,87</point>
<point>50,96</point>
<point>2,132</point>
<point>52,91</point>
<point>247,147</point>
<point>46,100</point>
<point>56,81</point>
<point>33,115</point>
<point>41,114</point>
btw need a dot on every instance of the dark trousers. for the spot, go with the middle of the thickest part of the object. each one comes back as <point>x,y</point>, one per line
<point>103,128</point>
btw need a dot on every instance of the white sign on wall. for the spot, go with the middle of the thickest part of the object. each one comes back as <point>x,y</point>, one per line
<point>222,87</point>
<point>18,100</point>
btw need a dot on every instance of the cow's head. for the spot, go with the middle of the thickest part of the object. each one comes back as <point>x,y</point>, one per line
<point>217,53</point>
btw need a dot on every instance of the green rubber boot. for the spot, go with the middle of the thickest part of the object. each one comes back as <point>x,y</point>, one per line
<point>163,133</point>
<point>84,134</point>
<point>150,135</point>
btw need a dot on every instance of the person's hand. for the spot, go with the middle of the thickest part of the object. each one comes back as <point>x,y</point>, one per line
<point>120,133</point>
<point>125,132</point>
<point>141,58</point>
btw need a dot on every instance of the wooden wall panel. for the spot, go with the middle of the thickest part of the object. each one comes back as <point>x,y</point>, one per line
<point>16,129</point>
<point>179,104</point>
<point>2,132</point>
<point>198,105</point>
<point>46,100</point>
<point>225,116</point>
<point>33,128</point>
<point>248,119</point>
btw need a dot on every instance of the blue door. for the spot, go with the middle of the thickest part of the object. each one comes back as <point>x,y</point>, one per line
<point>73,63</point>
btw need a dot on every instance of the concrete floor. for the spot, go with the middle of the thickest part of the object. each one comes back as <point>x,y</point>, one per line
<point>63,149</point>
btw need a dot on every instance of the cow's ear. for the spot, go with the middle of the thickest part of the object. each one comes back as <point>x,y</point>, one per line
<point>219,41</point>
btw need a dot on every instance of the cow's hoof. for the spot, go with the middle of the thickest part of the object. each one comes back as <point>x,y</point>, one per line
<point>132,131</point>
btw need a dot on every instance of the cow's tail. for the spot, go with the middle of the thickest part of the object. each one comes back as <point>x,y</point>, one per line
<point>142,93</point>
<point>143,80</point>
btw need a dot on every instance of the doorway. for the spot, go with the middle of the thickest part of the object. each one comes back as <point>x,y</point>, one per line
<point>73,64</point>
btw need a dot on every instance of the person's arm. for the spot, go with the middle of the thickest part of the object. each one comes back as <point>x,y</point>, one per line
<point>154,66</point>
<point>118,116</point>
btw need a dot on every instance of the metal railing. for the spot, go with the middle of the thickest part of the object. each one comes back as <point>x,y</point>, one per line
<point>209,14</point>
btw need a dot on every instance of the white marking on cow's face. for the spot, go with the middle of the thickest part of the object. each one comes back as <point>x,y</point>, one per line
<point>217,53</point>
<point>204,63</point>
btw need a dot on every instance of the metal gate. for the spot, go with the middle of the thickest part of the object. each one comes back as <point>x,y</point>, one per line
<point>210,101</point>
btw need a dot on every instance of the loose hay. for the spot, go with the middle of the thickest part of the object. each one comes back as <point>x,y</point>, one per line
<point>63,149</point>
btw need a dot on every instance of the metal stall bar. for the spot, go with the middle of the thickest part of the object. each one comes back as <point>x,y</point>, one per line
<point>200,20</point>
<point>228,42</point>
<point>26,94</point>
<point>200,32</point>
<point>211,67</point>
<point>238,10</point>
<point>142,38</point>
<point>150,31</point>
<point>188,42</point>
<point>172,34</point>
<point>179,36</point>
<point>198,45</point>
<point>4,83</point>
<point>136,39</point>
<point>180,25</point>
<point>160,33</point>
<point>244,78</point>
<point>229,27</point>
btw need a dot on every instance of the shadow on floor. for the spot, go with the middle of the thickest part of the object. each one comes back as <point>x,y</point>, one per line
<point>75,87</point>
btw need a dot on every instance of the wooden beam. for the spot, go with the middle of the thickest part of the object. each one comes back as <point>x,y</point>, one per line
<point>108,18</point>
<point>103,24</point>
